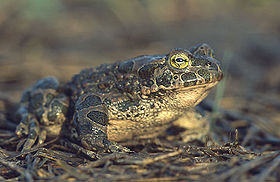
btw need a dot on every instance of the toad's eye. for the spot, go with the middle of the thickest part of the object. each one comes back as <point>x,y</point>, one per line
<point>179,61</point>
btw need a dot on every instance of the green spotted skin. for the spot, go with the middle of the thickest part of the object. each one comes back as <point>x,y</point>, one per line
<point>136,98</point>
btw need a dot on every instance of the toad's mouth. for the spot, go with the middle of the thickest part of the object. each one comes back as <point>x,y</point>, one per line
<point>206,87</point>
<point>213,77</point>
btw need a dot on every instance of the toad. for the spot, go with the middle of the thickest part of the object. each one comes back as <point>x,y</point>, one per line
<point>136,98</point>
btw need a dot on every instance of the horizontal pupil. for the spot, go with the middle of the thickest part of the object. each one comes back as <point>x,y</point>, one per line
<point>180,60</point>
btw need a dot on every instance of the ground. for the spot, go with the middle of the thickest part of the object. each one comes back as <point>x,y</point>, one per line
<point>40,39</point>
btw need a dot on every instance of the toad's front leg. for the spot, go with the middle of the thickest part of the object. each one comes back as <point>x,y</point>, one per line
<point>196,126</point>
<point>91,120</point>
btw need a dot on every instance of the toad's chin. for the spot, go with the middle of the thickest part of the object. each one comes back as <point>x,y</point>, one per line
<point>191,96</point>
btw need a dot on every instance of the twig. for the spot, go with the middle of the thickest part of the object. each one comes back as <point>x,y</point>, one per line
<point>267,171</point>
<point>31,150</point>
<point>17,168</point>
<point>239,170</point>
<point>161,157</point>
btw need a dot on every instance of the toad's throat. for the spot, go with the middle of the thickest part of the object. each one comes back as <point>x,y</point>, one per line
<point>191,96</point>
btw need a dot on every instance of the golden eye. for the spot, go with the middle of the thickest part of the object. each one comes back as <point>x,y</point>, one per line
<point>179,61</point>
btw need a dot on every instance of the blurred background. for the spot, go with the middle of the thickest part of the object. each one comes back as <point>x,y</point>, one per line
<point>40,38</point>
